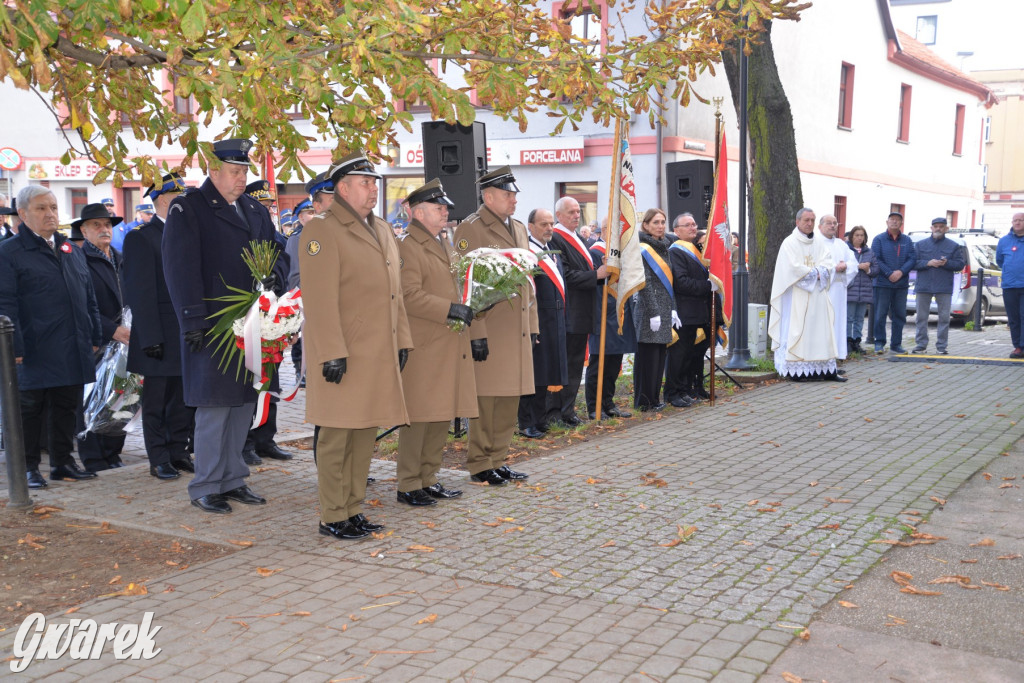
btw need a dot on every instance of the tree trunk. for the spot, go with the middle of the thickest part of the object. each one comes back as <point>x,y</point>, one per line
<point>774,194</point>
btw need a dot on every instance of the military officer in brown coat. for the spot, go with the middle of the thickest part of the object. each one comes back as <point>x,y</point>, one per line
<point>356,341</point>
<point>438,381</point>
<point>502,339</point>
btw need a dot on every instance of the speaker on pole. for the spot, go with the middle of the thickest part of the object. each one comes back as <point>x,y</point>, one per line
<point>457,156</point>
<point>690,186</point>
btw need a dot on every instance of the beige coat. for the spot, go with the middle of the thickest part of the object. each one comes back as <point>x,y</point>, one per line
<point>352,293</point>
<point>508,370</point>
<point>438,379</point>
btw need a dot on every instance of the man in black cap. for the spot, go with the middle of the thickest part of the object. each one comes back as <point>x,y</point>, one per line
<point>205,234</point>
<point>438,381</point>
<point>46,291</point>
<point>8,230</point>
<point>503,339</point>
<point>154,350</point>
<point>103,451</point>
<point>938,260</point>
<point>896,258</point>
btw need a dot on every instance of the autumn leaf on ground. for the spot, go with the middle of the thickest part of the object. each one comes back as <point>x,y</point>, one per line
<point>32,541</point>
<point>997,586</point>
<point>187,528</point>
<point>555,574</point>
<point>116,579</point>
<point>987,476</point>
<point>952,578</point>
<point>651,479</point>
<point>913,590</point>
<point>375,503</point>
<point>804,635</point>
<point>263,571</point>
<point>940,501</point>
<point>105,529</point>
<point>716,506</point>
<point>429,619</point>
<point>512,529</point>
<point>813,483</point>
<point>131,589</point>
<point>45,509</point>
<point>242,544</point>
<point>422,548</point>
<point>902,578</point>
<point>896,621</point>
<point>607,544</point>
<point>301,614</point>
<point>753,502</point>
<point>927,537</point>
<point>492,523</point>
<point>831,527</point>
<point>968,561</point>
<point>1015,556</point>
<point>429,525</point>
<point>983,542</point>
<point>766,510</point>
<point>846,604</point>
<point>868,419</point>
<point>791,678</point>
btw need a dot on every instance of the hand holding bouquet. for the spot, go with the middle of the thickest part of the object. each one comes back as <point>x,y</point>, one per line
<point>489,276</point>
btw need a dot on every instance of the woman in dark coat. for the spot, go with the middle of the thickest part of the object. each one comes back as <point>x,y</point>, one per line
<point>859,294</point>
<point>652,313</point>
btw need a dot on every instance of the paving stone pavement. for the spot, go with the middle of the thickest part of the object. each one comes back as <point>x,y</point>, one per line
<point>582,573</point>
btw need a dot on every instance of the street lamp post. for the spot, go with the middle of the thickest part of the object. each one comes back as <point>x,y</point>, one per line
<point>740,359</point>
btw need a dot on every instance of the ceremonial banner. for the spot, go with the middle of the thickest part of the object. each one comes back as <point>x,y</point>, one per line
<point>719,237</point>
<point>623,259</point>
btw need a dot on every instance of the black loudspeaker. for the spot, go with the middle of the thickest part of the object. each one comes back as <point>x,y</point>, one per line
<point>690,187</point>
<point>457,156</point>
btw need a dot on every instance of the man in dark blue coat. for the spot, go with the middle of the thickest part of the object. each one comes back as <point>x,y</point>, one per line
<point>692,286</point>
<point>47,292</point>
<point>203,239</point>
<point>549,354</point>
<point>95,227</point>
<point>154,350</point>
<point>896,258</point>
<point>615,347</point>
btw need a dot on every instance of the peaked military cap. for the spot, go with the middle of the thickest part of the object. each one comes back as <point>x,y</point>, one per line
<point>92,211</point>
<point>286,218</point>
<point>501,178</point>
<point>304,205</point>
<point>172,183</point>
<point>147,207</point>
<point>259,190</point>
<point>107,201</point>
<point>432,192</point>
<point>354,164</point>
<point>320,183</point>
<point>233,151</point>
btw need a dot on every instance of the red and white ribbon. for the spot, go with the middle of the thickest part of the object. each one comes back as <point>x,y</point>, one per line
<point>523,259</point>
<point>270,306</point>
<point>576,243</point>
<point>549,267</point>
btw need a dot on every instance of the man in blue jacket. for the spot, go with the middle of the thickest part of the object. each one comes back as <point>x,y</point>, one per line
<point>938,259</point>
<point>46,290</point>
<point>896,258</point>
<point>1010,257</point>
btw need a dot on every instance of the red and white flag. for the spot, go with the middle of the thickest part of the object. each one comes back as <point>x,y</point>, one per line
<point>623,259</point>
<point>716,250</point>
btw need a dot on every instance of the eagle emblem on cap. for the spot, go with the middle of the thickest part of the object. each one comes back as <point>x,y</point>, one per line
<point>313,248</point>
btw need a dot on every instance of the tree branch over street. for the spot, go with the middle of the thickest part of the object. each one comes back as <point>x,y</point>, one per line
<point>346,66</point>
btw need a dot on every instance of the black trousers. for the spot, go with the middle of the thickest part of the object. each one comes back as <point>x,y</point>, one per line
<point>533,409</point>
<point>684,371</point>
<point>696,368</point>
<point>612,367</point>
<point>60,418</point>
<point>297,354</point>
<point>648,369</point>
<point>575,353</point>
<point>98,451</point>
<point>167,423</point>
<point>263,436</point>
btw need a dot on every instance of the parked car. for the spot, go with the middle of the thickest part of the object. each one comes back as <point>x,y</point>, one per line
<point>981,254</point>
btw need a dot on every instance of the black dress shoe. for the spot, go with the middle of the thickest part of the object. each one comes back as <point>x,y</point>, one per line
<point>164,471</point>
<point>572,420</point>
<point>274,452</point>
<point>591,415</point>
<point>115,463</point>
<point>439,491</point>
<point>654,408</point>
<point>615,412</point>
<point>840,371</point>
<point>370,480</point>
<point>244,494</point>
<point>532,433</point>
<point>69,471</point>
<point>833,377</point>
<point>185,465</point>
<point>702,393</point>
<point>418,497</point>
<point>682,402</point>
<point>251,458</point>
<point>35,480</point>
<point>344,530</point>
<point>213,502</point>
<point>95,466</point>
<point>360,522</point>
<point>490,477</point>
<point>506,472</point>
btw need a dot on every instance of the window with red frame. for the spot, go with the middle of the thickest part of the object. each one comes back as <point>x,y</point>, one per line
<point>958,130</point>
<point>846,96</point>
<point>839,211</point>
<point>903,134</point>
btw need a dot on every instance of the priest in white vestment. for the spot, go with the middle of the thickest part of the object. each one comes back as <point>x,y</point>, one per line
<point>842,276</point>
<point>802,325</point>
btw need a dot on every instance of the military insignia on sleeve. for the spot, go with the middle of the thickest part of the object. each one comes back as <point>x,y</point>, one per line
<point>401,263</point>
<point>463,244</point>
<point>313,248</point>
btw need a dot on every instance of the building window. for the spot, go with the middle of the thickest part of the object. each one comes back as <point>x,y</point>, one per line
<point>184,107</point>
<point>984,177</point>
<point>901,209</point>
<point>396,189</point>
<point>846,96</point>
<point>586,195</point>
<point>295,112</point>
<point>986,129</point>
<point>958,130</point>
<point>974,218</point>
<point>79,199</point>
<point>839,211</point>
<point>903,134</point>
<point>926,29</point>
<point>415,105</point>
<point>585,23</point>
<point>951,218</point>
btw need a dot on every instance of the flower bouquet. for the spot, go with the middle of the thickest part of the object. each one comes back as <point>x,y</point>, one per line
<point>115,398</point>
<point>255,327</point>
<point>489,276</point>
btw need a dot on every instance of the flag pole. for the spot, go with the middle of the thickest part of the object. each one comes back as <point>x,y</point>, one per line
<point>605,234</point>
<point>713,333</point>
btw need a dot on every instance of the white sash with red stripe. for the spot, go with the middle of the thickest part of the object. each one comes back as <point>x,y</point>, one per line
<point>548,266</point>
<point>575,242</point>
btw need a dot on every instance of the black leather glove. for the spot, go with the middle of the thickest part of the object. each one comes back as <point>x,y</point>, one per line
<point>334,369</point>
<point>479,347</point>
<point>269,282</point>
<point>461,312</point>
<point>403,358</point>
<point>194,340</point>
<point>155,351</point>
<point>534,338</point>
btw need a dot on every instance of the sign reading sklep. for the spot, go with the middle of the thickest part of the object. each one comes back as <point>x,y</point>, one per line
<point>82,639</point>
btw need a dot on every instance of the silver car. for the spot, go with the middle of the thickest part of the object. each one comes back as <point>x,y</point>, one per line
<point>981,254</point>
